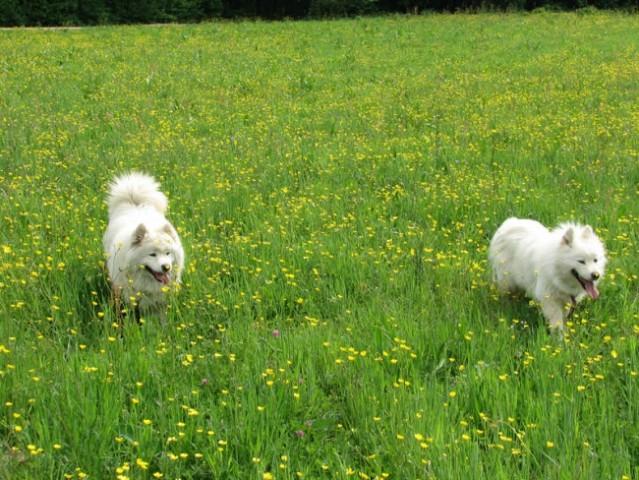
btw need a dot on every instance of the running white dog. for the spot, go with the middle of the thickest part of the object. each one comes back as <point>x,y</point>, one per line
<point>557,268</point>
<point>144,255</point>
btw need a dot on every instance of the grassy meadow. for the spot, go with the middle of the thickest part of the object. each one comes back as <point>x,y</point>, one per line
<point>335,185</point>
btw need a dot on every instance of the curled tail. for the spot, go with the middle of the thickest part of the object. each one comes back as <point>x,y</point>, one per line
<point>136,189</point>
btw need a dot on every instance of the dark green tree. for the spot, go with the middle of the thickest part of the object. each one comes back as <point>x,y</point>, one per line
<point>12,13</point>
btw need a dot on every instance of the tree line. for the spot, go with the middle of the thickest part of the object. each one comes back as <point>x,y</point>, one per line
<point>99,12</point>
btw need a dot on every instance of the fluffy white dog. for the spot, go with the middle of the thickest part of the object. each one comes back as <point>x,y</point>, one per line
<point>557,268</point>
<point>144,255</point>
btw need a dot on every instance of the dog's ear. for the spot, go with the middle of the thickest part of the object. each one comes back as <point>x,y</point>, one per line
<point>170,231</point>
<point>588,232</point>
<point>568,236</point>
<point>139,235</point>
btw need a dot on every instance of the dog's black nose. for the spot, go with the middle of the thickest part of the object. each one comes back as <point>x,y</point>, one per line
<point>166,267</point>
<point>595,276</point>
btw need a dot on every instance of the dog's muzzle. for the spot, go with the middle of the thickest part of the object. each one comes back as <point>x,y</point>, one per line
<point>588,284</point>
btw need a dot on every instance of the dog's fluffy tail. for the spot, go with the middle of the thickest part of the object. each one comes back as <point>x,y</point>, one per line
<point>136,189</point>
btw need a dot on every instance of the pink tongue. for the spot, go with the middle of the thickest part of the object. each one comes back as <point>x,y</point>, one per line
<point>164,277</point>
<point>591,289</point>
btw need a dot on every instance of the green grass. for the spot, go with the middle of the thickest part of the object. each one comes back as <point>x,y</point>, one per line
<point>335,185</point>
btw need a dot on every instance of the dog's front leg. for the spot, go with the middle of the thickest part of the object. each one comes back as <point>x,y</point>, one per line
<point>554,312</point>
<point>116,296</point>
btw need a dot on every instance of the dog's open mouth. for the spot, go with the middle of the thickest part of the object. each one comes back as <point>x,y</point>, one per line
<point>162,277</point>
<point>588,285</point>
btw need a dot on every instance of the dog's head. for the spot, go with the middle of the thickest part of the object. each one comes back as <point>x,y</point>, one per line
<point>157,253</point>
<point>585,257</point>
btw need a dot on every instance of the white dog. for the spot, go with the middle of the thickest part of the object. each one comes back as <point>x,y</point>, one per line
<point>144,255</point>
<point>557,268</point>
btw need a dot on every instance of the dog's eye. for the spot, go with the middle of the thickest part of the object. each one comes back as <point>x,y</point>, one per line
<point>595,260</point>
<point>153,254</point>
<point>583,262</point>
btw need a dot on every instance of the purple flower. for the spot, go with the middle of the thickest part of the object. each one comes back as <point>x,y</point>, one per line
<point>300,433</point>
<point>276,333</point>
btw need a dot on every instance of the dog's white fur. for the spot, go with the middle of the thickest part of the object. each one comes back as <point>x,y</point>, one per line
<point>556,268</point>
<point>144,255</point>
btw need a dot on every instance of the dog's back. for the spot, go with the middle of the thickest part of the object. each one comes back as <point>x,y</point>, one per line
<point>134,190</point>
<point>512,253</point>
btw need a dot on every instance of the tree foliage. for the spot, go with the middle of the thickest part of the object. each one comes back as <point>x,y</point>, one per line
<point>95,12</point>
